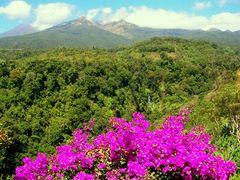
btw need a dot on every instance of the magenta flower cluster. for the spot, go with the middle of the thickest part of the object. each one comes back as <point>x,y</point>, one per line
<point>129,150</point>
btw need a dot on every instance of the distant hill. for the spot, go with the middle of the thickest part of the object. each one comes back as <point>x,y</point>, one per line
<point>20,30</point>
<point>85,33</point>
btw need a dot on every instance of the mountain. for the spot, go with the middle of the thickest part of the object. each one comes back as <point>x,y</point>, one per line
<point>135,32</point>
<point>86,33</point>
<point>221,37</point>
<point>237,32</point>
<point>81,22</point>
<point>141,33</point>
<point>20,30</point>
<point>121,27</point>
<point>76,33</point>
<point>213,30</point>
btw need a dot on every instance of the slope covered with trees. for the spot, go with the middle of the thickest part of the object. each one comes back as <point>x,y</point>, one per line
<point>45,96</point>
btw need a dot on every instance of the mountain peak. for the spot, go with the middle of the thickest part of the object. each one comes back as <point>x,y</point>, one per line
<point>213,30</point>
<point>83,21</point>
<point>228,31</point>
<point>121,23</point>
<point>83,18</point>
<point>120,27</point>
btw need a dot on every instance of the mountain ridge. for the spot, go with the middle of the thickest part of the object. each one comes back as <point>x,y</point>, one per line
<point>83,32</point>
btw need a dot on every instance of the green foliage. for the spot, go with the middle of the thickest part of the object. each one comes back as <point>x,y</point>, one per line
<point>46,95</point>
<point>5,143</point>
<point>229,149</point>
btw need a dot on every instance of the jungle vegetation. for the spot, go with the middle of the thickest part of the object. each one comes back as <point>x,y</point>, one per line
<point>45,95</point>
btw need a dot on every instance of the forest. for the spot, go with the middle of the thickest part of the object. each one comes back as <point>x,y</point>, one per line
<point>45,95</point>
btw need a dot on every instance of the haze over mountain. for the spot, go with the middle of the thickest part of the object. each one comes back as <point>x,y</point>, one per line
<point>83,32</point>
<point>19,30</point>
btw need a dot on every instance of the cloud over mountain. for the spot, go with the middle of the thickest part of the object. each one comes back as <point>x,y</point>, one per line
<point>161,18</point>
<point>51,14</point>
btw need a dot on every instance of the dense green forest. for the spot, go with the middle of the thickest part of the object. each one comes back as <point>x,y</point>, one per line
<point>46,95</point>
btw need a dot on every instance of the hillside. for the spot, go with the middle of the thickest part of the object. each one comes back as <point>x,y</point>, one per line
<point>140,33</point>
<point>46,95</point>
<point>85,33</point>
<point>79,33</point>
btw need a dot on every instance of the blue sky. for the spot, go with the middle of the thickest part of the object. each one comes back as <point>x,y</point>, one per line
<point>188,14</point>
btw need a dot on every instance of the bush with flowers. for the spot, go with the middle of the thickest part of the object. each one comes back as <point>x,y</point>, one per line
<point>129,150</point>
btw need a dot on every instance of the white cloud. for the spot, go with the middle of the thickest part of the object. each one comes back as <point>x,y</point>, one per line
<point>16,10</point>
<point>161,18</point>
<point>92,13</point>
<point>51,14</point>
<point>222,2</point>
<point>202,5</point>
<point>106,10</point>
<point>226,20</point>
<point>155,18</point>
<point>121,13</point>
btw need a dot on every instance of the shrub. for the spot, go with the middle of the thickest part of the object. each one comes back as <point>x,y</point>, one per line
<point>130,151</point>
